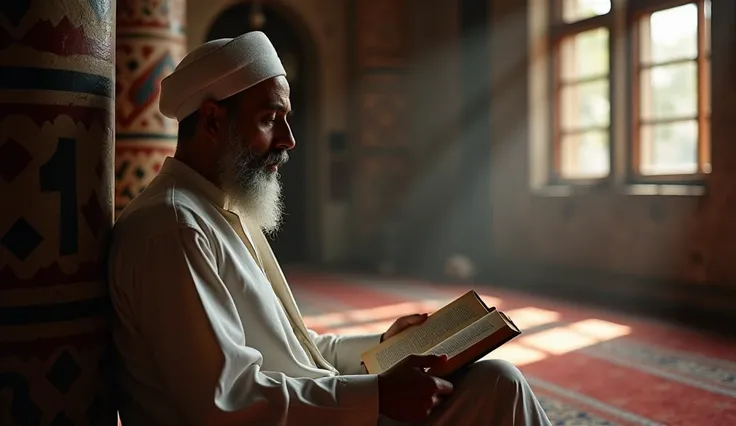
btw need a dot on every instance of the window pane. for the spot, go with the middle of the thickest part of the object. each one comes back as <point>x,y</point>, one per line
<point>670,34</point>
<point>670,91</point>
<point>585,105</point>
<point>585,155</point>
<point>584,55</point>
<point>670,148</point>
<point>576,10</point>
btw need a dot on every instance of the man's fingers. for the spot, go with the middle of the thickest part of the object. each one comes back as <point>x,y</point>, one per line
<point>403,323</point>
<point>409,320</point>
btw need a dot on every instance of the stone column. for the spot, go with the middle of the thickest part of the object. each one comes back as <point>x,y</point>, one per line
<point>56,168</point>
<point>150,43</point>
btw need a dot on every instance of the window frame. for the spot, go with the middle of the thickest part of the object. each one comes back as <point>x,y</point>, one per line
<point>634,16</point>
<point>558,31</point>
<point>624,40</point>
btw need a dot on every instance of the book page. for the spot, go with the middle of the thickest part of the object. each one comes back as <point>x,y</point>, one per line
<point>469,336</point>
<point>418,339</point>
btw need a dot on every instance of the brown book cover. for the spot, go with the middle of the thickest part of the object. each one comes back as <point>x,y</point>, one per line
<point>465,330</point>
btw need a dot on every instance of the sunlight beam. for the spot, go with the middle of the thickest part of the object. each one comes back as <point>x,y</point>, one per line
<point>517,354</point>
<point>578,335</point>
<point>530,317</point>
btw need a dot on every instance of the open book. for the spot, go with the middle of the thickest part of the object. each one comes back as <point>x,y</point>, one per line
<point>465,330</point>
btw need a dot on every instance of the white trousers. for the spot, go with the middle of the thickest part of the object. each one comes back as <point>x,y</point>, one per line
<point>489,392</point>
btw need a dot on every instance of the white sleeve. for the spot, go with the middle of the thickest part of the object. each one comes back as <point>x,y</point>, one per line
<point>199,345</point>
<point>344,351</point>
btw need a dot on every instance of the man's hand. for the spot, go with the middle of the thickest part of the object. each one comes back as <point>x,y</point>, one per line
<point>406,393</point>
<point>402,324</point>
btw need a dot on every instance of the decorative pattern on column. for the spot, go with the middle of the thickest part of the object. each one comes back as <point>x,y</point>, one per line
<point>56,165</point>
<point>150,42</point>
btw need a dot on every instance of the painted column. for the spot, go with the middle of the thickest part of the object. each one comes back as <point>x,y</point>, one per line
<point>150,43</point>
<point>56,169</point>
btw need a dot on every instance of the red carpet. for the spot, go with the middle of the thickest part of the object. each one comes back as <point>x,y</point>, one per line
<point>587,366</point>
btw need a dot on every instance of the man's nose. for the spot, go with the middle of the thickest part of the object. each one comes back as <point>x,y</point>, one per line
<point>286,140</point>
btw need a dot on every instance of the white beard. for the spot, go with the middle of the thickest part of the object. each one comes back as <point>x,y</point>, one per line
<point>252,190</point>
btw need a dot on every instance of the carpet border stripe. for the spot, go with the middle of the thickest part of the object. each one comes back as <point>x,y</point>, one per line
<point>658,372</point>
<point>597,404</point>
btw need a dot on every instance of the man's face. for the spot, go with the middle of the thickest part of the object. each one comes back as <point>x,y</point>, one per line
<point>254,144</point>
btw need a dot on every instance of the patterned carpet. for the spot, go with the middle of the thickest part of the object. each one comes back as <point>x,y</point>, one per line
<point>587,366</point>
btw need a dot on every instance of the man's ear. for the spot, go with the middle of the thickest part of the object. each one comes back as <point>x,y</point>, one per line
<point>210,119</point>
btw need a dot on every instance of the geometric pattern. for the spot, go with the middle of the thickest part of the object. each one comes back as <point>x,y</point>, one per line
<point>567,415</point>
<point>156,14</point>
<point>15,10</point>
<point>56,144</point>
<point>674,364</point>
<point>135,168</point>
<point>65,37</point>
<point>149,45</point>
<point>64,372</point>
<point>21,239</point>
<point>141,68</point>
<point>13,159</point>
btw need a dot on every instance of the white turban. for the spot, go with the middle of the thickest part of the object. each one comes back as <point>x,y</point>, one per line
<point>217,70</point>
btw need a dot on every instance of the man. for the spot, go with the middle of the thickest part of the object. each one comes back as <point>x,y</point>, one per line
<point>206,326</point>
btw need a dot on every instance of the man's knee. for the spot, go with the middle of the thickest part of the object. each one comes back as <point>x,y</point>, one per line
<point>496,371</point>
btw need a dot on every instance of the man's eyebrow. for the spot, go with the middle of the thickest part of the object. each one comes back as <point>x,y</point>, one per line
<point>277,106</point>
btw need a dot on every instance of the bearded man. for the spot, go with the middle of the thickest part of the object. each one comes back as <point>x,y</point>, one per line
<point>206,327</point>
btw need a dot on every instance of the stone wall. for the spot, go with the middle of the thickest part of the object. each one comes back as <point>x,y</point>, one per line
<point>664,238</point>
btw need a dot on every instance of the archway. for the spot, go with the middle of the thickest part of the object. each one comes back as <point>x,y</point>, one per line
<point>295,242</point>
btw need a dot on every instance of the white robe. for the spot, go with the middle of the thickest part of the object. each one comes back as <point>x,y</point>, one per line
<point>206,327</point>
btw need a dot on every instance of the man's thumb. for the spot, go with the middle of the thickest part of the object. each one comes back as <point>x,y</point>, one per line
<point>415,319</point>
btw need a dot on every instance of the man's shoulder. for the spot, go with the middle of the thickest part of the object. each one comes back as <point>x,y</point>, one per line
<point>164,207</point>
